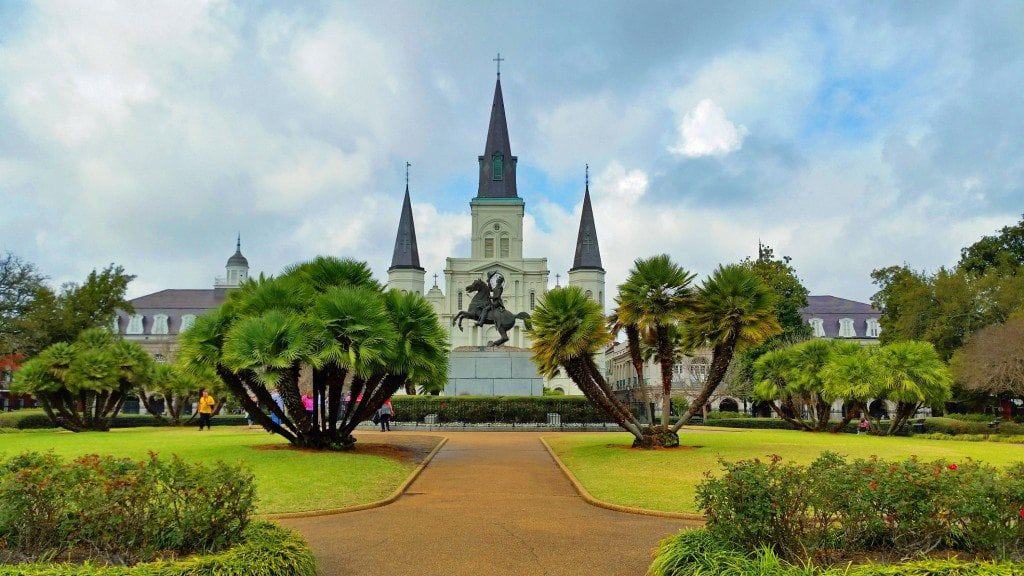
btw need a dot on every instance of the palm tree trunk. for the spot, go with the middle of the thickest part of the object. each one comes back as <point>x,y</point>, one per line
<point>637,358</point>
<point>579,374</point>
<point>720,358</point>
<point>800,424</point>
<point>666,360</point>
<point>144,398</point>
<point>237,387</point>
<point>602,384</point>
<point>847,418</point>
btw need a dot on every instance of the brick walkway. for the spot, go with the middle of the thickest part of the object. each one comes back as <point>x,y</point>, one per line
<point>490,503</point>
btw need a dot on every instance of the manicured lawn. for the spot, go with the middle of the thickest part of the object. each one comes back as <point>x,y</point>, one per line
<point>287,480</point>
<point>666,479</point>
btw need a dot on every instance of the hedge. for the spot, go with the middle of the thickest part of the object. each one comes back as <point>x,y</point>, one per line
<point>505,409</point>
<point>34,419</point>
<point>697,553</point>
<point>267,550</point>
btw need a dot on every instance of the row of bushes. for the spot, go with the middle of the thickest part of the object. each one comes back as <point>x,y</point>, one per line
<point>699,553</point>
<point>119,511</point>
<point>34,419</point>
<point>835,509</point>
<point>956,426</point>
<point>974,437</point>
<point>264,549</point>
<point>510,409</point>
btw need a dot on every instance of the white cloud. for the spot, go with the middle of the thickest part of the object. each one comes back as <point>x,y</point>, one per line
<point>705,131</point>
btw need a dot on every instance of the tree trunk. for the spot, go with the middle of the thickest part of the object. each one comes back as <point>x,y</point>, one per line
<point>637,358</point>
<point>579,374</point>
<point>847,418</point>
<point>594,373</point>
<point>800,424</point>
<point>721,356</point>
<point>144,398</point>
<point>237,387</point>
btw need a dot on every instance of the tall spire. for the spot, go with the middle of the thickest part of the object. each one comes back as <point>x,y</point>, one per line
<point>497,165</point>
<point>406,254</point>
<point>588,253</point>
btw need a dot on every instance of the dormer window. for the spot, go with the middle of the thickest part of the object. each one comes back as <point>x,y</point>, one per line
<point>159,324</point>
<point>874,328</point>
<point>817,327</point>
<point>134,324</point>
<point>187,321</point>
<point>497,166</point>
<point>846,328</point>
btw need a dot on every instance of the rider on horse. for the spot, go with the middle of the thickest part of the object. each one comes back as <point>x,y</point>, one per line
<point>495,303</point>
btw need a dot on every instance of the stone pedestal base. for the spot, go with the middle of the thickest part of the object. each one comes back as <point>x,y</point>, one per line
<point>499,371</point>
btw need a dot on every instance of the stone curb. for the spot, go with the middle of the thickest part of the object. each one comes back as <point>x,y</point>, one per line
<point>698,519</point>
<point>376,504</point>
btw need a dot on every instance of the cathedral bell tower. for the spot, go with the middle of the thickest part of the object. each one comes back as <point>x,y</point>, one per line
<point>586,271</point>
<point>497,210</point>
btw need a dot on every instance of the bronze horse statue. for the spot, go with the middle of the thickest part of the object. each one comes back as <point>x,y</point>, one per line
<point>502,319</point>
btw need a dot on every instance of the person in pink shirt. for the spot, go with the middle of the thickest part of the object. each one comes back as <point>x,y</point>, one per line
<point>307,403</point>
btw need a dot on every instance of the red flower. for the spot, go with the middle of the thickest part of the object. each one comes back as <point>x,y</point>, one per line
<point>953,466</point>
<point>1022,512</point>
<point>873,485</point>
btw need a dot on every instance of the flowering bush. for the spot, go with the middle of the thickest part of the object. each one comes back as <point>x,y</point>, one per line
<point>835,508</point>
<point>120,511</point>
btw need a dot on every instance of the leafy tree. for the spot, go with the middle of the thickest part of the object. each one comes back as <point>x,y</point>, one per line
<point>361,343</point>
<point>61,316</point>
<point>20,281</point>
<point>853,376</point>
<point>1004,250</point>
<point>82,385</point>
<point>568,330</point>
<point>912,375</point>
<point>992,362</point>
<point>653,300</point>
<point>733,309</point>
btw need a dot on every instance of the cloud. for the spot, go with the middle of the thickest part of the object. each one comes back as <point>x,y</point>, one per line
<point>705,131</point>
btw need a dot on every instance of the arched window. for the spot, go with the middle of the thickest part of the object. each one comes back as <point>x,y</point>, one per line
<point>497,166</point>
<point>699,372</point>
<point>489,247</point>
<point>533,299</point>
<point>846,328</point>
<point>817,327</point>
<point>589,294</point>
<point>503,247</point>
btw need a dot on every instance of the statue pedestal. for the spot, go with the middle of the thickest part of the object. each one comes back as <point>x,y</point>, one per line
<point>496,371</point>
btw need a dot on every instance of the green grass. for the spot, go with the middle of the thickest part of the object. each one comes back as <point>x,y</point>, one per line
<point>667,479</point>
<point>286,480</point>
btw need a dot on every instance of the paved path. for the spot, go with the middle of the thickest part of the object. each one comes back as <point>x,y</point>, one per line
<point>489,503</point>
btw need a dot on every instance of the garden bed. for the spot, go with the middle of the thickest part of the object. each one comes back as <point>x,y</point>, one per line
<point>264,550</point>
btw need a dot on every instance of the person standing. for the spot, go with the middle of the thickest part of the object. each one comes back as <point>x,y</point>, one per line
<point>384,414</point>
<point>206,404</point>
<point>863,427</point>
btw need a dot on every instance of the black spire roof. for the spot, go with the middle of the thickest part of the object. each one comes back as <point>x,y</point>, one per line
<point>406,254</point>
<point>237,259</point>
<point>588,253</point>
<point>497,165</point>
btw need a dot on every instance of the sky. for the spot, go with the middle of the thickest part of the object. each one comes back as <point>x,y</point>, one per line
<point>846,135</point>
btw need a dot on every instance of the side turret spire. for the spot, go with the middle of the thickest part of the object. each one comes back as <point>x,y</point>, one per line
<point>588,253</point>
<point>406,254</point>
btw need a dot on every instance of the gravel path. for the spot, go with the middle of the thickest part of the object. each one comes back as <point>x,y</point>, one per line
<point>490,503</point>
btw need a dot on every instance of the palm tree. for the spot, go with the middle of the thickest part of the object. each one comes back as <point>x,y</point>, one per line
<point>913,375</point>
<point>655,297</point>
<point>329,316</point>
<point>636,356</point>
<point>733,309</point>
<point>568,330</point>
<point>772,376</point>
<point>852,374</point>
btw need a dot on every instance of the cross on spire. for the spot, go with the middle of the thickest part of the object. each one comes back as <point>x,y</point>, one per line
<point>435,280</point>
<point>499,60</point>
<point>558,280</point>
<point>238,242</point>
<point>587,172</point>
<point>407,165</point>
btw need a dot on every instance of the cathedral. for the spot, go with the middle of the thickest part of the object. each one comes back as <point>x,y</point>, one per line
<point>496,245</point>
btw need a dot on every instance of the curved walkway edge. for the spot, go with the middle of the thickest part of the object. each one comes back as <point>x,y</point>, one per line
<point>589,498</point>
<point>375,504</point>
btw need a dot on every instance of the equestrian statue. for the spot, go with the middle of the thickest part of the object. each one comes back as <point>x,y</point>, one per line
<point>487,307</point>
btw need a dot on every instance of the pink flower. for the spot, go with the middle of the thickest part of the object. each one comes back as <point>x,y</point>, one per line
<point>953,466</point>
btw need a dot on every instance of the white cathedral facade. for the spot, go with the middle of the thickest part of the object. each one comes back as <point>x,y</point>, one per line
<point>496,245</point>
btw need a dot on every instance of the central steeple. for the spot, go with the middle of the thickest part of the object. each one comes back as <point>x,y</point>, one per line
<point>497,165</point>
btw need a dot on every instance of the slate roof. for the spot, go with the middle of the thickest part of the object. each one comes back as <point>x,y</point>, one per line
<point>173,303</point>
<point>588,252</point>
<point>832,308</point>
<point>406,254</point>
<point>497,143</point>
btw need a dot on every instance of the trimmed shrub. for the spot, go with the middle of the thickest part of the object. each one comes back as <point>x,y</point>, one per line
<point>956,426</point>
<point>698,553</point>
<point>503,409</point>
<point>836,508</point>
<point>973,438</point>
<point>101,508</point>
<point>36,419</point>
<point>974,417</point>
<point>264,549</point>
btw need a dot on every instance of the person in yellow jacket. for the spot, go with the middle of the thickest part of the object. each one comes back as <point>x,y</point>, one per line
<point>206,404</point>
